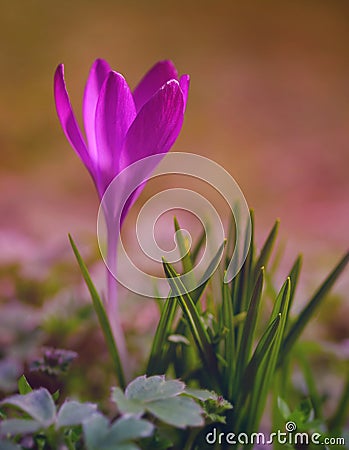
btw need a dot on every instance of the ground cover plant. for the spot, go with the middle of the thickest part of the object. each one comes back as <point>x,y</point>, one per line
<point>219,370</point>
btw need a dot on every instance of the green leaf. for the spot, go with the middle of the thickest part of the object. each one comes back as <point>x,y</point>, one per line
<point>55,396</point>
<point>229,341</point>
<point>215,408</point>
<point>194,321</point>
<point>14,427</point>
<point>231,237</point>
<point>303,416</point>
<point>266,372</point>
<point>95,431</point>
<point>23,386</point>
<point>306,410</point>
<point>283,408</point>
<point>161,353</point>
<point>294,277</point>
<point>159,441</point>
<point>338,420</point>
<point>183,249</point>
<point>163,330</point>
<point>201,394</point>
<point>161,398</point>
<point>260,353</point>
<point>310,379</point>
<point>181,329</point>
<point>249,329</point>
<point>308,312</point>
<point>198,246</point>
<point>38,404</point>
<point>212,267</point>
<point>266,250</point>
<point>127,429</point>
<point>243,283</point>
<point>73,413</point>
<point>180,412</point>
<point>143,391</point>
<point>126,405</point>
<point>99,435</point>
<point>153,388</point>
<point>102,316</point>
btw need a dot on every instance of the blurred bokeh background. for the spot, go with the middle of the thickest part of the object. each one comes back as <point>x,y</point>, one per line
<point>269,101</point>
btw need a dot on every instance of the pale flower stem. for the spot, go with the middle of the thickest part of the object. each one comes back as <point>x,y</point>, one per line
<point>112,303</point>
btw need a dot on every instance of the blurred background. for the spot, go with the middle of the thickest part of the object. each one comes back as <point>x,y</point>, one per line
<point>269,101</point>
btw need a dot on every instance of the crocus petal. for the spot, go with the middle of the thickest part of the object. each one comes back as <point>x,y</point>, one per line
<point>152,81</point>
<point>154,131</point>
<point>184,83</point>
<point>115,112</point>
<point>131,201</point>
<point>98,73</point>
<point>156,126</point>
<point>67,119</point>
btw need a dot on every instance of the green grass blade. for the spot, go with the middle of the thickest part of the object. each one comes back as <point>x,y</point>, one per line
<point>249,328</point>
<point>193,319</point>
<point>339,418</point>
<point>23,386</point>
<point>294,277</point>
<point>266,250</point>
<point>261,350</point>
<point>160,343</point>
<point>229,341</point>
<point>308,312</point>
<point>282,300</point>
<point>102,317</point>
<point>248,380</point>
<point>162,353</point>
<point>241,283</point>
<point>251,250</point>
<point>183,249</point>
<point>198,246</point>
<point>267,369</point>
<point>230,238</point>
<point>310,381</point>
<point>196,294</point>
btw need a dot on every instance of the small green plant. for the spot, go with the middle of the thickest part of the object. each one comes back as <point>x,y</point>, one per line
<point>39,418</point>
<point>227,356</point>
<point>39,423</point>
<point>224,341</point>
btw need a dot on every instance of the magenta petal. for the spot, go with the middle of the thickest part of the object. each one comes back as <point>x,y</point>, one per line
<point>156,126</point>
<point>114,114</point>
<point>98,73</point>
<point>154,131</point>
<point>184,83</point>
<point>130,202</point>
<point>152,81</point>
<point>67,119</point>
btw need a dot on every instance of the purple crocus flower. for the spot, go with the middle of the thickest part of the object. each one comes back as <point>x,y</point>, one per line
<point>122,127</point>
